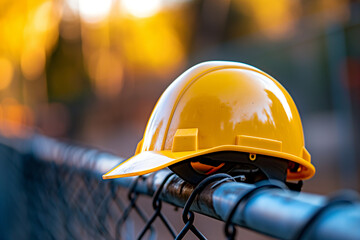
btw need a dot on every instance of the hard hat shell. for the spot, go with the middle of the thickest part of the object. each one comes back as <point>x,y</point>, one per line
<point>220,106</point>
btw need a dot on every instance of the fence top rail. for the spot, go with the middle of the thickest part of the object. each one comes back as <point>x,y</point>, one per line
<point>274,212</point>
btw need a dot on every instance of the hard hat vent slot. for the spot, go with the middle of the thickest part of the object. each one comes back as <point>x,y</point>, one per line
<point>257,142</point>
<point>185,140</point>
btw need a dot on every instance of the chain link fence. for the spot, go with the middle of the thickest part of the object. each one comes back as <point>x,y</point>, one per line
<point>54,190</point>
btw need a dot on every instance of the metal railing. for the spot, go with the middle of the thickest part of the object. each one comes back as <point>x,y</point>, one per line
<point>60,195</point>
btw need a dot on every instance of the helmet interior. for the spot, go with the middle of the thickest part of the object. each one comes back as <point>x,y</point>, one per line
<point>244,167</point>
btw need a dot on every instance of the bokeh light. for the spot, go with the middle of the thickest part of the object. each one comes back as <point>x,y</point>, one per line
<point>275,19</point>
<point>106,71</point>
<point>91,11</point>
<point>93,69</point>
<point>33,62</point>
<point>142,8</point>
<point>6,73</point>
<point>15,119</point>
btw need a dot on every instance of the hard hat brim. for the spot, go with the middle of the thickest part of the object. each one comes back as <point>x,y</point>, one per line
<point>151,161</point>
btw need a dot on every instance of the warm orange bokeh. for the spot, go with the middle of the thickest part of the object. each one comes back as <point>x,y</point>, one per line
<point>119,41</point>
<point>14,118</point>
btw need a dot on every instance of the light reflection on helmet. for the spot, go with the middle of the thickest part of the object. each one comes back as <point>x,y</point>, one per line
<point>222,117</point>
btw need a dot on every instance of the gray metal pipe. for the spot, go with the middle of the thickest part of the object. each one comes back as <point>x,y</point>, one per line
<point>274,212</point>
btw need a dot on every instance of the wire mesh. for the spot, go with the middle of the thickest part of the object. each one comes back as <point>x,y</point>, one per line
<point>54,190</point>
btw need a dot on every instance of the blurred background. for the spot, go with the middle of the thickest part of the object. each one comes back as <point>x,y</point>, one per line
<point>92,70</point>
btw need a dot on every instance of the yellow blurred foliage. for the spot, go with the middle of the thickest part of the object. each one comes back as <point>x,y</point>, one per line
<point>6,73</point>
<point>275,18</point>
<point>32,62</point>
<point>106,71</point>
<point>120,40</point>
<point>152,44</point>
<point>146,45</point>
<point>32,22</point>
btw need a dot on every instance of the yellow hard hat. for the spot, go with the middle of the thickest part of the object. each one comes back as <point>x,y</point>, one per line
<point>218,114</point>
